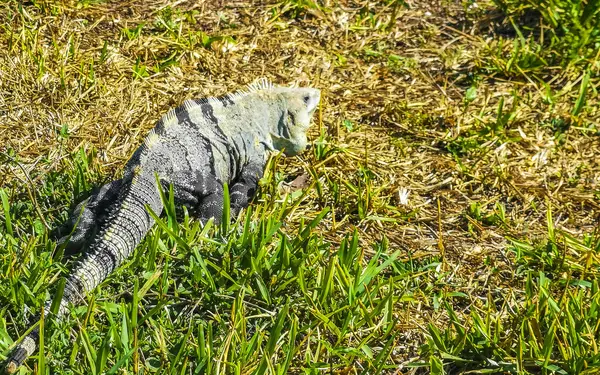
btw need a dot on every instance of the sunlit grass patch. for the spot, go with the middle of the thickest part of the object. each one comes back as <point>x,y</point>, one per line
<point>444,219</point>
<point>220,299</point>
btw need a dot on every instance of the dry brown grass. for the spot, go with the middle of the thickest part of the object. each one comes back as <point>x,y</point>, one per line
<point>404,115</point>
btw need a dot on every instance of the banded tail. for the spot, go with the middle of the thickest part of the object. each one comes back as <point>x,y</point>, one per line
<point>125,228</point>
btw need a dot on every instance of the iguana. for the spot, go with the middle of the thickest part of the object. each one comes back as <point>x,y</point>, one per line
<point>196,148</point>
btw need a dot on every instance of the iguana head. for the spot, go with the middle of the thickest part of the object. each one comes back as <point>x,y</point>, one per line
<point>299,104</point>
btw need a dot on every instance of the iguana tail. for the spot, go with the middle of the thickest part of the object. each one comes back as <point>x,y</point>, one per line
<point>126,226</point>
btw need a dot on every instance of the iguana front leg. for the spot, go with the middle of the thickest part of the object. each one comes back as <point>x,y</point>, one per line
<point>244,187</point>
<point>203,193</point>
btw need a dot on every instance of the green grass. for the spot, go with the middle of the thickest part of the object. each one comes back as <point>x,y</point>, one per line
<point>444,220</point>
<point>242,297</point>
<point>562,32</point>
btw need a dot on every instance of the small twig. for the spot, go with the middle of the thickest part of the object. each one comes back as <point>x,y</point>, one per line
<point>440,236</point>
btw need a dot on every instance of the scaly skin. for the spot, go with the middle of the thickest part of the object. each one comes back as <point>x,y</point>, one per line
<point>197,147</point>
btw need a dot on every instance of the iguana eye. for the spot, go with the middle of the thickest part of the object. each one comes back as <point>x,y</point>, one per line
<point>306,99</point>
